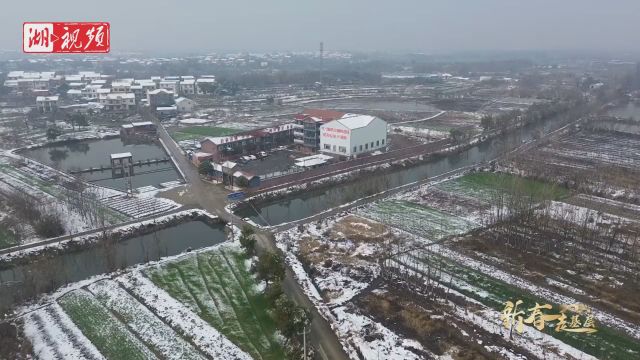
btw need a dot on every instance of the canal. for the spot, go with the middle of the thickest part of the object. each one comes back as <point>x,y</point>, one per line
<point>309,203</point>
<point>21,282</point>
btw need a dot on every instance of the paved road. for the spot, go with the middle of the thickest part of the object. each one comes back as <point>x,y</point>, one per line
<point>213,199</point>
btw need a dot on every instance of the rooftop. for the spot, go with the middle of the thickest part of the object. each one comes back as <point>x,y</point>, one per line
<point>160,91</point>
<point>47,98</point>
<point>322,114</point>
<point>120,96</point>
<point>355,121</point>
<point>227,139</point>
<point>121,155</point>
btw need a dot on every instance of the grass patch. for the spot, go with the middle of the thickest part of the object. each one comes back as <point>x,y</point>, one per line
<point>218,287</point>
<point>105,331</point>
<point>484,185</point>
<point>198,132</point>
<point>417,219</point>
<point>604,344</point>
<point>155,333</point>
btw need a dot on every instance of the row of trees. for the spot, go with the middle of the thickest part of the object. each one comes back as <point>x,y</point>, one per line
<point>46,221</point>
<point>290,319</point>
<point>528,220</point>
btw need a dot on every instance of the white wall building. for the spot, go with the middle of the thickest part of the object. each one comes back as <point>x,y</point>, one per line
<point>46,104</point>
<point>204,80</point>
<point>188,87</point>
<point>352,135</point>
<point>185,105</point>
<point>171,85</point>
<point>121,86</point>
<point>118,101</point>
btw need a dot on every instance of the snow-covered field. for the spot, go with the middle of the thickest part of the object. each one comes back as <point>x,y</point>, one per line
<point>142,312</point>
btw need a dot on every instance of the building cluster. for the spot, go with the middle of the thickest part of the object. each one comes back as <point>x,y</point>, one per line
<point>167,95</point>
<point>340,134</point>
<point>226,147</point>
<point>329,132</point>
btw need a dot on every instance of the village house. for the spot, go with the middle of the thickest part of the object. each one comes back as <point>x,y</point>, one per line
<point>225,147</point>
<point>188,87</point>
<point>170,85</point>
<point>138,128</point>
<point>118,101</point>
<point>159,98</point>
<point>185,105</point>
<point>307,125</point>
<point>46,104</point>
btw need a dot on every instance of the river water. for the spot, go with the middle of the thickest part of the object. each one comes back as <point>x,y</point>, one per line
<point>46,275</point>
<point>93,153</point>
<point>300,206</point>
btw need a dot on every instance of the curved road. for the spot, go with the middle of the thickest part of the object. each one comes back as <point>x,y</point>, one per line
<point>213,199</point>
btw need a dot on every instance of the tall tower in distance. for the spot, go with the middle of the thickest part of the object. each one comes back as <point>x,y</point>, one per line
<point>321,55</point>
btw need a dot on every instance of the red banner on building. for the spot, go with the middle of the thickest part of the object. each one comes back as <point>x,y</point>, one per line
<point>65,37</point>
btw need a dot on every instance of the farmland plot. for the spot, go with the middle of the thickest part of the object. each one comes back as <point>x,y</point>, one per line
<point>597,163</point>
<point>156,334</point>
<point>217,286</point>
<point>427,222</point>
<point>102,328</point>
<point>491,292</point>
<point>485,185</point>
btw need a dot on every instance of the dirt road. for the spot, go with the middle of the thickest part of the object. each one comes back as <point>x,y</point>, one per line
<point>213,199</point>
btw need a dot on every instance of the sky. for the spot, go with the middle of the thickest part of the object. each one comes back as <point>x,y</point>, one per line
<point>343,25</point>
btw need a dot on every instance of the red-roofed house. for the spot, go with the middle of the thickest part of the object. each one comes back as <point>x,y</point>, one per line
<point>306,134</point>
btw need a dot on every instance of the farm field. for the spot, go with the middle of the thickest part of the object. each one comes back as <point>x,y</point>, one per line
<point>217,286</point>
<point>596,163</point>
<point>491,292</point>
<point>199,132</point>
<point>455,206</point>
<point>197,306</point>
<point>425,221</point>
<point>485,186</point>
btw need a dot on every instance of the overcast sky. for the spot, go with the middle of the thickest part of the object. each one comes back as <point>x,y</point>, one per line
<point>359,25</point>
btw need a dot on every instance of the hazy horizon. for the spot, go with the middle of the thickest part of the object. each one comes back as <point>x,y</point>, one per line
<point>357,25</point>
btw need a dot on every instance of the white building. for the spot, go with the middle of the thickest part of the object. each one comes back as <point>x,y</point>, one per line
<point>185,105</point>
<point>121,86</point>
<point>353,135</point>
<point>46,104</point>
<point>118,101</point>
<point>91,91</point>
<point>188,87</point>
<point>204,80</point>
<point>171,85</point>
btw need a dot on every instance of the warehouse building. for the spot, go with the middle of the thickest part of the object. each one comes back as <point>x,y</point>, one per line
<point>353,135</point>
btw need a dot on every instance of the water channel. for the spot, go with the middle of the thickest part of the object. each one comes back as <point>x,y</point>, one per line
<point>303,205</point>
<point>48,274</point>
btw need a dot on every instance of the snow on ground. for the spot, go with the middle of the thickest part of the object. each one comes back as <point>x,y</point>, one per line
<point>384,343</point>
<point>603,317</point>
<point>531,339</point>
<point>208,339</point>
<point>578,215</point>
<point>143,322</point>
<point>49,340</point>
<point>422,132</point>
<point>618,204</point>
<point>124,229</point>
<point>194,121</point>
